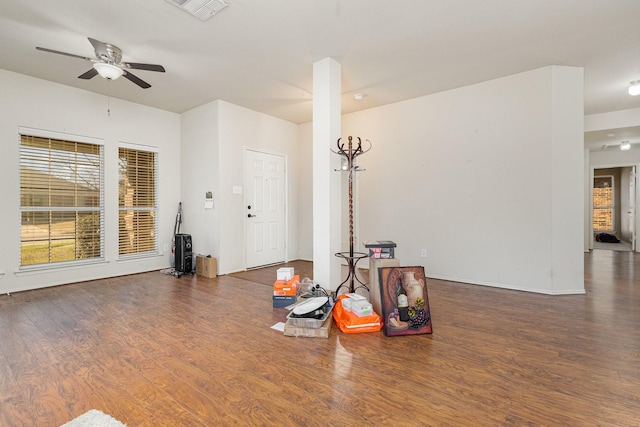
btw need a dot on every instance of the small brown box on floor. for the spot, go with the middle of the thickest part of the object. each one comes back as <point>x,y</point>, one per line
<point>206,266</point>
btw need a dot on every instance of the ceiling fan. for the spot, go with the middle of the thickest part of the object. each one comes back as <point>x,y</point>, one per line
<point>108,63</point>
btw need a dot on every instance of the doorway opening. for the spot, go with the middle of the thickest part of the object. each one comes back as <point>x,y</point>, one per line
<point>613,215</point>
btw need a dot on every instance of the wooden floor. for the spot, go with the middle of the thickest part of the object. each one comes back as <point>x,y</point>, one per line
<point>156,350</point>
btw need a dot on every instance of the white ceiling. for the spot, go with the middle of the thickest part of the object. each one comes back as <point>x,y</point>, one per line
<point>610,139</point>
<point>260,53</point>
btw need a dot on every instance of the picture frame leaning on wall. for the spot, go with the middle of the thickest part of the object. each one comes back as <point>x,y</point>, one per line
<point>405,301</point>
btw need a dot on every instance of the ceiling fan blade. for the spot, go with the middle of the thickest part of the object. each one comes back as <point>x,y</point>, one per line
<point>89,74</point>
<point>99,47</point>
<point>137,80</point>
<point>44,49</point>
<point>148,67</point>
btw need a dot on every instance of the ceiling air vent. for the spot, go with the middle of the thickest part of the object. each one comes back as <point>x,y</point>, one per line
<point>201,9</point>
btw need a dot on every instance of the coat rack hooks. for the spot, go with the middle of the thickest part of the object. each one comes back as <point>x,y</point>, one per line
<point>350,153</point>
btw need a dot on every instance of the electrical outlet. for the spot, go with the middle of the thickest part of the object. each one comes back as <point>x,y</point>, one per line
<point>423,253</point>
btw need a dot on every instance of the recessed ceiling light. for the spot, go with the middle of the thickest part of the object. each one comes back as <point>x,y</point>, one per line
<point>359,96</point>
<point>611,135</point>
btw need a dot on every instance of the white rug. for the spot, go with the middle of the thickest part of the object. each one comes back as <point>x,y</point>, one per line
<point>94,418</point>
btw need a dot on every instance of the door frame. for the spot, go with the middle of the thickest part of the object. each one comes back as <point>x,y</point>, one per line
<point>634,243</point>
<point>244,199</point>
<point>636,219</point>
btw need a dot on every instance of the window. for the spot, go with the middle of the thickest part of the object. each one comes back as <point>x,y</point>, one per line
<point>137,200</point>
<point>61,199</point>
<point>603,205</point>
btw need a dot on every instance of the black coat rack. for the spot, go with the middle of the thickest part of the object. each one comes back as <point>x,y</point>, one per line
<point>350,153</point>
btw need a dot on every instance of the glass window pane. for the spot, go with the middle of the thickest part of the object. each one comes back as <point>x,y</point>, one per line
<point>603,204</point>
<point>137,201</point>
<point>61,200</point>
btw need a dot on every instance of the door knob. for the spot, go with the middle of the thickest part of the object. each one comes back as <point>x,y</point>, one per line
<point>250,216</point>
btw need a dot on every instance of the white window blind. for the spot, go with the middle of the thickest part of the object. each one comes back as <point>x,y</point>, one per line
<point>137,200</point>
<point>61,200</point>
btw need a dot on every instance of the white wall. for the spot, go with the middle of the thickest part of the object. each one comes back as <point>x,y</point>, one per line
<point>305,192</point>
<point>475,176</point>
<point>587,241</point>
<point>612,120</point>
<point>567,183</point>
<point>199,171</point>
<point>34,103</point>
<point>626,205</point>
<point>220,131</point>
<point>614,158</point>
<point>467,174</point>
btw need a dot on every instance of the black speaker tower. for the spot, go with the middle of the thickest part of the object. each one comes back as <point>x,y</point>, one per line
<point>184,255</point>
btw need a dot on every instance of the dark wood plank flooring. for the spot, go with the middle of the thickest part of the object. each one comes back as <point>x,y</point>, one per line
<point>156,350</point>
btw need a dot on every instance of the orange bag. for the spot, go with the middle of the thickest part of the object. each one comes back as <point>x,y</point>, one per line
<point>350,323</point>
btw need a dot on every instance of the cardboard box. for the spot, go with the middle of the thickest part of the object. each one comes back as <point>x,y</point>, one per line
<point>284,273</point>
<point>280,288</point>
<point>310,323</point>
<point>379,244</point>
<point>282,301</point>
<point>290,287</point>
<point>381,253</point>
<point>206,266</point>
<point>323,331</point>
<point>380,249</point>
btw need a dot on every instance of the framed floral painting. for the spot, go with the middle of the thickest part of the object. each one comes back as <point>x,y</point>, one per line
<point>404,301</point>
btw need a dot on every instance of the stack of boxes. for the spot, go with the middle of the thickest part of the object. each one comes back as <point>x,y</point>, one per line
<point>285,294</point>
<point>285,288</point>
<point>354,314</point>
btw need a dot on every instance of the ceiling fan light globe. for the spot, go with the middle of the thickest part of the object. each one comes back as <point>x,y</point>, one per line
<point>108,71</point>
<point>625,145</point>
<point>634,88</point>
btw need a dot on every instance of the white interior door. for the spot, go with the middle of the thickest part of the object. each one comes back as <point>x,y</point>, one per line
<point>265,201</point>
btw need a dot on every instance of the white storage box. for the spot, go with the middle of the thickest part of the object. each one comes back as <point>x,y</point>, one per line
<point>361,308</point>
<point>284,273</point>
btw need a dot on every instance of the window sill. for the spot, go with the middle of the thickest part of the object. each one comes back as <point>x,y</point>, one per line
<point>46,268</point>
<point>130,258</point>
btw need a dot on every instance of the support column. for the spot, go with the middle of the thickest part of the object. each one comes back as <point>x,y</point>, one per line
<point>327,111</point>
<point>567,185</point>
